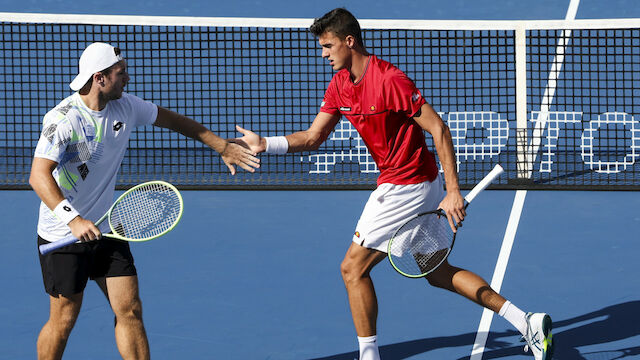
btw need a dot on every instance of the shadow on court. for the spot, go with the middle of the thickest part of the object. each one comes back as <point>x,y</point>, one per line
<point>610,324</point>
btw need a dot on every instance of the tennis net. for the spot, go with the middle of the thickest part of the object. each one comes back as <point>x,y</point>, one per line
<point>553,102</point>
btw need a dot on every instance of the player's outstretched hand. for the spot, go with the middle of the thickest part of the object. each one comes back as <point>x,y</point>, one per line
<point>236,154</point>
<point>251,140</point>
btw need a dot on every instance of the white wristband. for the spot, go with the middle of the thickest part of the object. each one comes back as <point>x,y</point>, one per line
<point>65,212</point>
<point>276,145</point>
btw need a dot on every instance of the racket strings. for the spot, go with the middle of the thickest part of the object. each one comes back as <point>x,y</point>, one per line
<point>146,212</point>
<point>421,244</point>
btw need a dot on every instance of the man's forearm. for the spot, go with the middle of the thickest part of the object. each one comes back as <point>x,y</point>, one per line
<point>446,154</point>
<point>304,141</point>
<point>189,128</point>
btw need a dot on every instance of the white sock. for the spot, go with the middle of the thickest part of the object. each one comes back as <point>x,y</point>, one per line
<point>369,348</point>
<point>515,316</point>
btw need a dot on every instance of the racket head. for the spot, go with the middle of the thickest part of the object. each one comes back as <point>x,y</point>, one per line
<point>421,244</point>
<point>145,212</point>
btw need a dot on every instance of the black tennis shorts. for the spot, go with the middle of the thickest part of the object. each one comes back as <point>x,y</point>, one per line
<point>65,271</point>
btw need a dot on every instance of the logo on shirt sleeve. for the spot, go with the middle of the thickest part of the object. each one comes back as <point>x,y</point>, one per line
<point>322,103</point>
<point>415,96</point>
<point>49,132</point>
<point>64,109</point>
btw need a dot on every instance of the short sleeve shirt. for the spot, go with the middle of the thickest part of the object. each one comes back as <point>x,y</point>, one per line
<point>381,107</point>
<point>89,147</point>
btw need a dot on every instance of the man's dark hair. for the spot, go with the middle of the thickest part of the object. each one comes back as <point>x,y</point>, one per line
<point>340,22</point>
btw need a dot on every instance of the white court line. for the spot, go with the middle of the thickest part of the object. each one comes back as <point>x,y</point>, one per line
<point>498,274</point>
<point>518,201</point>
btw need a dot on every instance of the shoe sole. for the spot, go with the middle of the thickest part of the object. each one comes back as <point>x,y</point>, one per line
<point>547,345</point>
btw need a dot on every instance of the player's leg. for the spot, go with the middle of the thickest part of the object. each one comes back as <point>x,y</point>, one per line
<point>64,274</point>
<point>467,284</point>
<point>355,269</point>
<point>534,327</point>
<point>123,295</point>
<point>114,271</point>
<point>387,208</point>
<point>63,313</point>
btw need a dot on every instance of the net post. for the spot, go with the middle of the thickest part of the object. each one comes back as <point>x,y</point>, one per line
<point>523,161</point>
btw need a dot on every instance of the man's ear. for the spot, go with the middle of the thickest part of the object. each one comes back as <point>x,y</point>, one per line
<point>351,41</point>
<point>98,78</point>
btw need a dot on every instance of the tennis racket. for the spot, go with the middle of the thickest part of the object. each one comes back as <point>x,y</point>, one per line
<point>144,212</point>
<point>424,242</point>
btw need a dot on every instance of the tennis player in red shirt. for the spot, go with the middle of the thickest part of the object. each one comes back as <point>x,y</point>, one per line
<point>390,114</point>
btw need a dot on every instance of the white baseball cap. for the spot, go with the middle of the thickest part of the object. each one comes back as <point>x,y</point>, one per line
<point>96,57</point>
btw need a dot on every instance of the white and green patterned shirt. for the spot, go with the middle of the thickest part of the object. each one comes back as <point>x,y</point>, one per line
<point>88,147</point>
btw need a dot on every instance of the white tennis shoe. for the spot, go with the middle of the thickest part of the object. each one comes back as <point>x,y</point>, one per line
<point>539,337</point>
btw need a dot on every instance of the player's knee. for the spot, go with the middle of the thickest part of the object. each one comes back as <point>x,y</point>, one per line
<point>435,281</point>
<point>440,277</point>
<point>344,268</point>
<point>351,271</point>
<point>63,324</point>
<point>63,320</point>
<point>128,317</point>
<point>131,312</point>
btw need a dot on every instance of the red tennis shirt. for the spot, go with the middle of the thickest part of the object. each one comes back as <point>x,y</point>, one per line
<point>381,107</point>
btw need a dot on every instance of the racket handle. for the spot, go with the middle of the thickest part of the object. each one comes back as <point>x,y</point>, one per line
<point>497,170</point>
<point>47,248</point>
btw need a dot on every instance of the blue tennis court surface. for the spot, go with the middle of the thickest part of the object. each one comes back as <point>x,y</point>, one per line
<point>255,275</point>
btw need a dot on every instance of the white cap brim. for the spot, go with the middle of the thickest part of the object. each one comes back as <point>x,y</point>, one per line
<point>79,81</point>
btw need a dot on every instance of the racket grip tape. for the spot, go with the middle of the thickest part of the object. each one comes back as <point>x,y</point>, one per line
<point>47,248</point>
<point>497,170</point>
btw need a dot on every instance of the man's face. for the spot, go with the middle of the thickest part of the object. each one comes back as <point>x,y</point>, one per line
<point>336,50</point>
<point>115,82</point>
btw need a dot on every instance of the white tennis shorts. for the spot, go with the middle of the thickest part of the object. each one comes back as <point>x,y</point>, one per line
<point>390,206</point>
